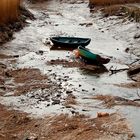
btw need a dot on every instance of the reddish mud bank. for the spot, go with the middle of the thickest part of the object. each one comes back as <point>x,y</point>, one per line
<point>16,125</point>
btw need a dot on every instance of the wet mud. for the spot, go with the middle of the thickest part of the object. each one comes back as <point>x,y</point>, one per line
<point>44,82</point>
<point>16,125</point>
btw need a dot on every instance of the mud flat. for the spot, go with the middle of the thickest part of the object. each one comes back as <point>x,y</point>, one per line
<point>45,94</point>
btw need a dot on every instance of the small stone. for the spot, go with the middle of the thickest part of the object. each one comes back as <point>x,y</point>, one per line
<point>84,110</point>
<point>136,36</point>
<point>127,50</point>
<point>22,100</point>
<point>58,95</point>
<point>55,102</point>
<point>68,91</point>
<point>84,90</point>
<point>73,112</point>
<point>36,125</point>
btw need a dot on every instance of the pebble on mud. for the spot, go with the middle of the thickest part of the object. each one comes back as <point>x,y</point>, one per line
<point>80,85</point>
<point>68,91</point>
<point>93,88</point>
<point>55,101</point>
<point>136,36</point>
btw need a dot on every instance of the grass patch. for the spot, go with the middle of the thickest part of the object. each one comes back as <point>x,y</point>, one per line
<point>110,2</point>
<point>132,12</point>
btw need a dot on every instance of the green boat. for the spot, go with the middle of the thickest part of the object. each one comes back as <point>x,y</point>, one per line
<point>91,57</point>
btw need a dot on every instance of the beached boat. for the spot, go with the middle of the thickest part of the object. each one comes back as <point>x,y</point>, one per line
<point>72,42</point>
<point>91,57</point>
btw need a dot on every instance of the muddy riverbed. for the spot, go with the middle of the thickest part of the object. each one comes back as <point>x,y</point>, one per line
<point>47,86</point>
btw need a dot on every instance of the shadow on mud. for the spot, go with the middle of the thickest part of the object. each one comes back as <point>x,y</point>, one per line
<point>62,48</point>
<point>96,71</point>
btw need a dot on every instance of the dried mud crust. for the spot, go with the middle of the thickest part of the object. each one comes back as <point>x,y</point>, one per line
<point>16,126</point>
<point>23,80</point>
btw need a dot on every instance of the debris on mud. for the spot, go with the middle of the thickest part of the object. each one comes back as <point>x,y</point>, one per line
<point>135,84</point>
<point>78,64</point>
<point>102,114</point>
<point>88,24</point>
<point>134,74</point>
<point>134,70</point>
<point>70,100</point>
<point>111,101</point>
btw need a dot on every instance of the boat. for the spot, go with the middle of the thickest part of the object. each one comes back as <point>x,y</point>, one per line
<point>91,57</point>
<point>72,42</point>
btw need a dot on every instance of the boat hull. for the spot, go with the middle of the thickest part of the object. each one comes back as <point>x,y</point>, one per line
<point>72,42</point>
<point>91,57</point>
<point>85,53</point>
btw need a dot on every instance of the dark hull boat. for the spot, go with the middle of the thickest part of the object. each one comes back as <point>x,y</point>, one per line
<point>72,42</point>
<point>91,57</point>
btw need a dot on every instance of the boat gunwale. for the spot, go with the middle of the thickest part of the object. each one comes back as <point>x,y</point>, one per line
<point>84,40</point>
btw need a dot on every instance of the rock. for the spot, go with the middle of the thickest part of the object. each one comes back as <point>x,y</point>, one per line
<point>136,36</point>
<point>106,15</point>
<point>73,112</point>
<point>86,24</point>
<point>68,91</point>
<point>89,24</point>
<point>93,88</point>
<point>134,70</point>
<point>58,95</point>
<point>84,110</point>
<point>55,101</point>
<point>40,52</point>
<point>127,50</point>
<point>36,125</point>
<point>84,90</point>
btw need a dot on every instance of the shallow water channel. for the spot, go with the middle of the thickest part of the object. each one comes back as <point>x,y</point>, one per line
<point>61,18</point>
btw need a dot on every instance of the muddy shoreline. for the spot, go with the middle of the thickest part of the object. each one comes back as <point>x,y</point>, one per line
<point>46,91</point>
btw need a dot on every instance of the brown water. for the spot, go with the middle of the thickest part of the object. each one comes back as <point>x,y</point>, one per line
<point>9,10</point>
<point>61,18</point>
